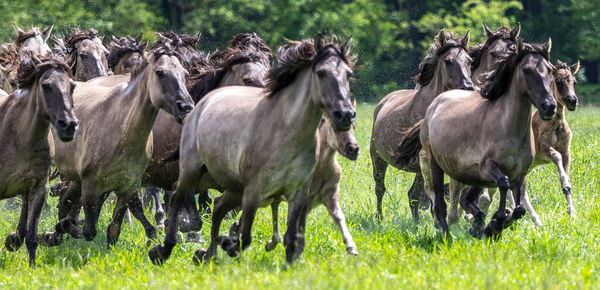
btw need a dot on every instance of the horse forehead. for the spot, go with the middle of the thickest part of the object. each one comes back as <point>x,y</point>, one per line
<point>536,61</point>
<point>563,74</point>
<point>333,63</point>
<point>454,53</point>
<point>54,76</point>
<point>36,44</point>
<point>501,44</point>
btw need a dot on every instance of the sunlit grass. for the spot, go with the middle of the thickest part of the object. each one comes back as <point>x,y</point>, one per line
<point>393,252</point>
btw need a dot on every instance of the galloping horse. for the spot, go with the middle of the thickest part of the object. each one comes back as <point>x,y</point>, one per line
<point>447,66</point>
<point>45,97</point>
<point>256,145</point>
<point>114,146</point>
<point>490,142</point>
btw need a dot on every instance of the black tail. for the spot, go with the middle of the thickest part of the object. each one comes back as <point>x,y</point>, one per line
<point>410,146</point>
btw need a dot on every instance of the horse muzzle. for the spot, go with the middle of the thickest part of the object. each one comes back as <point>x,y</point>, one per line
<point>571,103</point>
<point>181,110</point>
<point>351,151</point>
<point>66,129</point>
<point>342,120</point>
<point>547,110</point>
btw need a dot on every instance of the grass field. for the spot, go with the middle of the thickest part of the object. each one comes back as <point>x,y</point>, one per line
<point>394,252</point>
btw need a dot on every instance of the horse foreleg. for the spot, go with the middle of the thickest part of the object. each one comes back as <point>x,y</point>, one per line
<point>439,203</point>
<point>332,202</point>
<point>276,237</point>
<point>534,216</point>
<point>249,206</point>
<point>468,202</point>
<point>490,170</point>
<point>114,229</point>
<point>565,182</point>
<point>414,194</point>
<point>92,205</point>
<point>36,202</point>
<point>519,211</point>
<point>379,169</point>
<point>223,204</point>
<point>455,189</point>
<point>137,209</point>
<point>14,240</point>
<point>159,212</point>
<point>160,253</point>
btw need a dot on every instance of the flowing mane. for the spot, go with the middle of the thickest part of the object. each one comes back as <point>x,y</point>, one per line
<point>296,55</point>
<point>498,81</point>
<point>78,35</point>
<point>476,52</point>
<point>28,72</point>
<point>190,58</point>
<point>429,63</point>
<point>165,48</point>
<point>243,48</point>
<point>22,37</point>
<point>121,46</point>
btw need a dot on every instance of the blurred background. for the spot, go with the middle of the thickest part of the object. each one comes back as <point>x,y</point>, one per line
<point>390,36</point>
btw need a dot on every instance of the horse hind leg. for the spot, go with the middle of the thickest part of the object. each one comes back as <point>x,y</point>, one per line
<point>468,202</point>
<point>379,169</point>
<point>439,203</point>
<point>114,228</point>
<point>565,181</point>
<point>233,246</point>
<point>153,193</point>
<point>276,237</point>
<point>414,194</point>
<point>332,202</point>
<point>222,205</point>
<point>137,209</point>
<point>455,191</point>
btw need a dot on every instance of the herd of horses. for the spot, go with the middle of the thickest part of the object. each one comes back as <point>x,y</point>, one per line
<point>171,118</point>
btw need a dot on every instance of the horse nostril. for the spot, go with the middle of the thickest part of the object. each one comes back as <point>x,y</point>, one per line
<point>338,115</point>
<point>61,124</point>
<point>184,108</point>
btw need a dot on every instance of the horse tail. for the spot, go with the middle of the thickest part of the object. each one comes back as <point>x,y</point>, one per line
<point>410,146</point>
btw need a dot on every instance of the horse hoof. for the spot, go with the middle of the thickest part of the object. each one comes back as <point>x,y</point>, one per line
<point>194,237</point>
<point>469,218</point>
<point>270,246</point>
<point>567,191</point>
<point>13,242</point>
<point>476,233</point>
<point>155,255</point>
<point>50,239</point>
<point>234,230</point>
<point>352,251</point>
<point>518,212</point>
<point>200,257</point>
<point>231,246</point>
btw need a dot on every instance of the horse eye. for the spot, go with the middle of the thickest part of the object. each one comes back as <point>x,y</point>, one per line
<point>160,73</point>
<point>46,87</point>
<point>320,73</point>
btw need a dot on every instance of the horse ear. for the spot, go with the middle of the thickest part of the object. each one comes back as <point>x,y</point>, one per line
<point>548,47</point>
<point>196,37</point>
<point>574,68</point>
<point>346,46</point>
<point>46,33</point>
<point>488,32</point>
<point>465,39</point>
<point>142,46</point>
<point>17,29</point>
<point>138,38</point>
<point>516,31</point>
<point>442,37</point>
<point>71,60</point>
<point>35,59</point>
<point>519,45</point>
<point>319,41</point>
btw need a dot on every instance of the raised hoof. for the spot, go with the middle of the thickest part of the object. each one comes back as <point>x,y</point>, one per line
<point>200,257</point>
<point>13,242</point>
<point>49,239</point>
<point>112,234</point>
<point>352,251</point>
<point>476,233</point>
<point>271,245</point>
<point>518,212</point>
<point>194,237</point>
<point>234,230</point>
<point>231,246</point>
<point>69,226</point>
<point>155,255</point>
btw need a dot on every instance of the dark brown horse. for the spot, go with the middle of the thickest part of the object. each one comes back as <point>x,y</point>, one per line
<point>447,66</point>
<point>44,98</point>
<point>255,145</point>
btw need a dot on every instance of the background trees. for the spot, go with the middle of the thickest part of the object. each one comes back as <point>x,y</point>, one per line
<point>390,36</point>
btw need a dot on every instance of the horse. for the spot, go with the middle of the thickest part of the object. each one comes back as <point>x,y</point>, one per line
<point>9,62</point>
<point>44,98</point>
<point>552,140</point>
<point>323,186</point>
<point>245,62</point>
<point>115,145</point>
<point>498,45</point>
<point>86,54</point>
<point>222,146</point>
<point>447,66</point>
<point>490,143</point>
<point>125,54</point>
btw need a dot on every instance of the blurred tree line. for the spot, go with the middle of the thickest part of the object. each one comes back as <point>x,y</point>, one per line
<point>390,36</point>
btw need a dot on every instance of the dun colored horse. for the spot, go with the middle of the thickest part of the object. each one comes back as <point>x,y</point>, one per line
<point>114,146</point>
<point>45,97</point>
<point>323,186</point>
<point>86,54</point>
<point>125,54</point>
<point>222,146</point>
<point>446,67</point>
<point>552,141</point>
<point>491,141</point>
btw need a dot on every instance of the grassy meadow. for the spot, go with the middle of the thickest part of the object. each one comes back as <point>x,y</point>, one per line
<point>393,252</point>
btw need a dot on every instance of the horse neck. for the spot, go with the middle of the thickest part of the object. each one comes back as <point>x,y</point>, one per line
<point>79,69</point>
<point>298,113</point>
<point>481,69</point>
<point>326,153</point>
<point>33,127</point>
<point>141,113</point>
<point>515,109</point>
<point>229,79</point>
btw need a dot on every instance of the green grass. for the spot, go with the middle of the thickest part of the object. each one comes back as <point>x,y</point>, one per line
<point>394,252</point>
